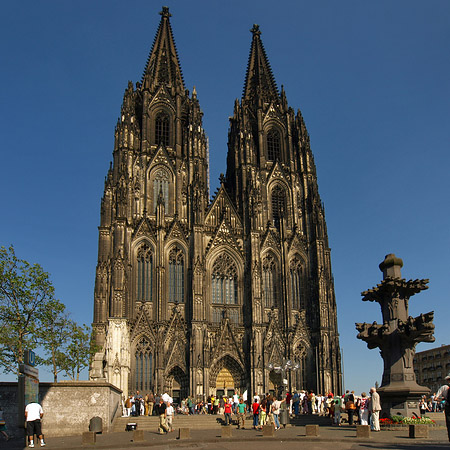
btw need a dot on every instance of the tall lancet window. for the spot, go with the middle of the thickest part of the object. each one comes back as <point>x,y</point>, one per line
<point>144,274</point>
<point>176,275</point>
<point>278,204</point>
<point>143,366</point>
<point>224,279</point>
<point>273,145</point>
<point>295,275</point>
<point>270,282</point>
<point>161,184</point>
<point>162,129</point>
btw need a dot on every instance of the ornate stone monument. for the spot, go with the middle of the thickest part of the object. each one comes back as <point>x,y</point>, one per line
<point>397,338</point>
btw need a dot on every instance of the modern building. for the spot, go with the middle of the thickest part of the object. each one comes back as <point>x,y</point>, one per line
<point>432,366</point>
<point>197,295</point>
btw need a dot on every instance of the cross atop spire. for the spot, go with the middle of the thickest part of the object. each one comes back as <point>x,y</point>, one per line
<point>259,80</point>
<point>163,65</point>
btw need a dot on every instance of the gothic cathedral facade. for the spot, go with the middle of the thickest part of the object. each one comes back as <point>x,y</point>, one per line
<point>197,295</point>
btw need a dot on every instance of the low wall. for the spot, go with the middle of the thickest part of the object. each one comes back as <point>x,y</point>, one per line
<point>68,405</point>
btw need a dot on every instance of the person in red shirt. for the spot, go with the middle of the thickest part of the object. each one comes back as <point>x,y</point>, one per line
<point>227,412</point>
<point>255,409</point>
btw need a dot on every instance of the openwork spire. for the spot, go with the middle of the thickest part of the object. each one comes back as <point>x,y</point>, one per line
<point>163,65</point>
<point>259,80</point>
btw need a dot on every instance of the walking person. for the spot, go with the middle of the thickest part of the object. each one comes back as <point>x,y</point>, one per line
<point>33,416</point>
<point>227,412</point>
<point>255,410</point>
<point>241,413</point>
<point>374,408</point>
<point>3,425</point>
<point>443,394</point>
<point>350,407</point>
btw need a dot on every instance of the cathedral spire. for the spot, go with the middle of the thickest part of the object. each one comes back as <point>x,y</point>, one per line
<point>163,65</point>
<point>259,80</point>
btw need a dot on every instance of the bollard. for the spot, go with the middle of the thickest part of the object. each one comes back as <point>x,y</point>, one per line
<point>418,431</point>
<point>226,431</point>
<point>96,424</point>
<point>184,433</point>
<point>362,431</point>
<point>312,430</point>
<point>88,437</point>
<point>138,435</point>
<point>268,430</point>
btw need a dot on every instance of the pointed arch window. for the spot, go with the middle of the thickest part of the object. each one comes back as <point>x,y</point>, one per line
<point>161,185</point>
<point>143,365</point>
<point>270,281</point>
<point>162,129</point>
<point>224,281</point>
<point>144,274</point>
<point>176,275</point>
<point>295,276</point>
<point>273,145</point>
<point>278,198</point>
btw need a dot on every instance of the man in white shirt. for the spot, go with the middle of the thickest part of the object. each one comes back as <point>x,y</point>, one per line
<point>33,416</point>
<point>443,394</point>
<point>169,416</point>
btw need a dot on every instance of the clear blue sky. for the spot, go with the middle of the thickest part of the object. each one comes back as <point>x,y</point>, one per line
<point>371,79</point>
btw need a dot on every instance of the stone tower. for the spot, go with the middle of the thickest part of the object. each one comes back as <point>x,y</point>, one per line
<point>196,296</point>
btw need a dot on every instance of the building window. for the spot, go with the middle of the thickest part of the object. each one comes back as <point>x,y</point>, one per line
<point>162,129</point>
<point>273,145</point>
<point>176,275</point>
<point>295,274</point>
<point>144,274</point>
<point>278,205</point>
<point>224,281</point>
<point>143,363</point>
<point>161,186</point>
<point>270,282</point>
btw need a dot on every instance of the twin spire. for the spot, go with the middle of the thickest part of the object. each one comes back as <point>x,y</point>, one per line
<point>163,65</point>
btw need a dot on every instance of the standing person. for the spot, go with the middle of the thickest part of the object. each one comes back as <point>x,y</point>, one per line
<point>262,413</point>
<point>137,403</point>
<point>128,405</point>
<point>363,406</point>
<point>276,412</point>
<point>255,410</point>
<point>337,403</point>
<point>169,416</point>
<point>240,410</point>
<point>374,408</point>
<point>350,406</point>
<point>3,425</point>
<point>227,412</point>
<point>235,401</point>
<point>151,403</point>
<point>33,416</point>
<point>443,394</point>
<point>162,414</point>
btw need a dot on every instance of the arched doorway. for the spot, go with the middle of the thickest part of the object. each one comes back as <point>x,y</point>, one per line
<point>176,384</point>
<point>226,376</point>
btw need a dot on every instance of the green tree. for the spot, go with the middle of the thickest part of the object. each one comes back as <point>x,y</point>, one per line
<point>54,335</point>
<point>79,351</point>
<point>25,292</point>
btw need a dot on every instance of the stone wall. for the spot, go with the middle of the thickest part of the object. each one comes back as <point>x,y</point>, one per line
<point>68,406</point>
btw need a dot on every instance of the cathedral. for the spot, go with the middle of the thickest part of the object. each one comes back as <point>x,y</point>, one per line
<point>198,294</point>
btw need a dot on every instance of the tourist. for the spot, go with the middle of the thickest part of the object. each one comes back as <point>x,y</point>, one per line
<point>169,416</point>
<point>276,412</point>
<point>3,425</point>
<point>363,409</point>
<point>227,412</point>
<point>151,403</point>
<point>33,416</point>
<point>162,414</point>
<point>240,411</point>
<point>374,408</point>
<point>350,407</point>
<point>262,413</point>
<point>137,403</point>
<point>255,411</point>
<point>269,415</point>
<point>337,407</point>
<point>295,403</point>
<point>128,406</point>
<point>235,401</point>
<point>443,395</point>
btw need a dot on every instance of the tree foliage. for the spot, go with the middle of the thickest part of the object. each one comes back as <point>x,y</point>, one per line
<point>31,317</point>
<point>25,290</point>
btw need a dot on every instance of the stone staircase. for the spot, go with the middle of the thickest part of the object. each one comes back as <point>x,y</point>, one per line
<point>206,421</point>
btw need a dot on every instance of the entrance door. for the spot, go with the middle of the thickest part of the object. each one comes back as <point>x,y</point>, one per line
<point>225,381</point>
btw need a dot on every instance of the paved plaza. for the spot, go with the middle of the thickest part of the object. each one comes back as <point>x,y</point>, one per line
<point>335,438</point>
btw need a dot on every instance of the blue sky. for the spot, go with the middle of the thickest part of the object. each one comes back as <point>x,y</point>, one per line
<point>372,82</point>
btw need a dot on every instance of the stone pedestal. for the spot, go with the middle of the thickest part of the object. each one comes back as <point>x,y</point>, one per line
<point>312,430</point>
<point>418,431</point>
<point>88,438</point>
<point>226,431</point>
<point>138,435</point>
<point>268,430</point>
<point>362,431</point>
<point>184,433</point>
